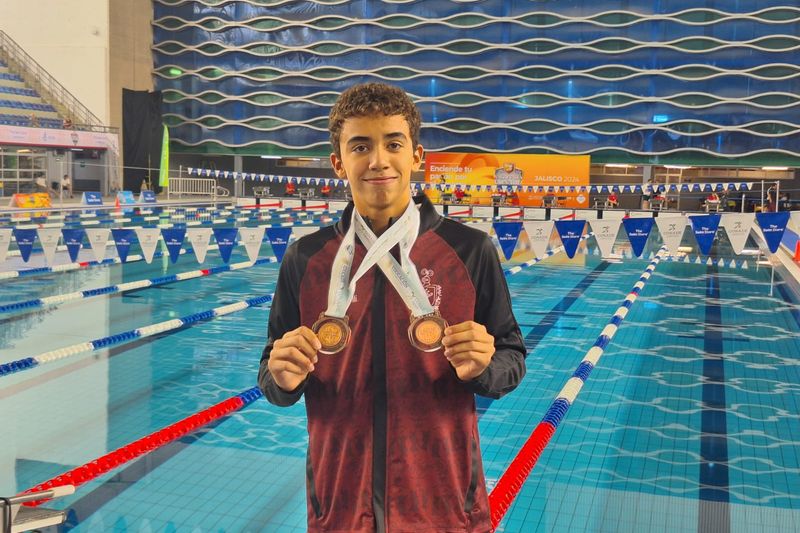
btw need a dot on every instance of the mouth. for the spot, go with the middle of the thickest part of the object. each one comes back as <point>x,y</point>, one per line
<point>380,180</point>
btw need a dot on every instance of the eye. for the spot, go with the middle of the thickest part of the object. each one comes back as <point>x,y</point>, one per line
<point>395,145</point>
<point>359,148</point>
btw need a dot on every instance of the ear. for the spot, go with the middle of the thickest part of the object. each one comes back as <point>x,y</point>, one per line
<point>338,167</point>
<point>419,152</point>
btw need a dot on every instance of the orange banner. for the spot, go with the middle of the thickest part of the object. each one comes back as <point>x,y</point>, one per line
<point>506,179</point>
<point>38,199</point>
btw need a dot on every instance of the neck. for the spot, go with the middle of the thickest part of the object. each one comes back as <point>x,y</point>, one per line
<point>379,220</point>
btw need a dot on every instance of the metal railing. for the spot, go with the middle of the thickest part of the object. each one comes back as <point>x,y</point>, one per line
<point>192,187</point>
<point>37,78</point>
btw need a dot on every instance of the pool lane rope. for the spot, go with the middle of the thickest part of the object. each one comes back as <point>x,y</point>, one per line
<point>127,336</point>
<point>132,285</point>
<point>93,469</point>
<point>510,483</point>
<point>67,267</point>
<point>60,353</point>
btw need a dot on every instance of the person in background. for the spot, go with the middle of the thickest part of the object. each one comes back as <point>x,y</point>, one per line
<point>389,387</point>
<point>612,200</point>
<point>291,189</point>
<point>66,185</point>
<point>325,191</point>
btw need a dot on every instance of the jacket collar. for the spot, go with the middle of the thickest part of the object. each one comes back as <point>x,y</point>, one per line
<point>429,218</point>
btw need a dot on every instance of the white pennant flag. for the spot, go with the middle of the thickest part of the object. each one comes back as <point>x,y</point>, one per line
<point>737,226</point>
<point>252,238</point>
<point>98,238</point>
<point>5,240</point>
<point>148,240</point>
<point>302,231</point>
<point>198,238</point>
<point>605,233</point>
<point>539,233</point>
<point>49,238</point>
<point>794,221</point>
<point>671,228</point>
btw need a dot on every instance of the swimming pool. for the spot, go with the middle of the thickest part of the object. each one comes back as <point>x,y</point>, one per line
<point>689,421</point>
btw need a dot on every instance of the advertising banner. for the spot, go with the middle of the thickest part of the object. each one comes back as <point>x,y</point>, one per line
<point>507,179</point>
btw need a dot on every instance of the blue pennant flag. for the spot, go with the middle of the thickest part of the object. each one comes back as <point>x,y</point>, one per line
<point>638,230</point>
<point>705,228</point>
<point>773,225</point>
<point>173,238</point>
<point>73,238</point>
<point>508,234</point>
<point>123,238</point>
<point>25,238</point>
<point>570,232</point>
<point>226,239</point>
<point>279,239</point>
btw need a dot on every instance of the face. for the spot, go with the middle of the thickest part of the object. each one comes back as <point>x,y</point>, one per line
<point>377,158</point>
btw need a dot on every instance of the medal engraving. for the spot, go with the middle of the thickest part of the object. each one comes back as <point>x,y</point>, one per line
<point>426,332</point>
<point>333,333</point>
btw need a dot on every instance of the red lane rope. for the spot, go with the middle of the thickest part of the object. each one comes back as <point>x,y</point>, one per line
<point>89,471</point>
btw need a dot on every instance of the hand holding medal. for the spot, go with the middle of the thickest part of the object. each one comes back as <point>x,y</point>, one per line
<point>469,348</point>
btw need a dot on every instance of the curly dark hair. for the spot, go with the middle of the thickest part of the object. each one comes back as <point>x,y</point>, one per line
<point>368,99</point>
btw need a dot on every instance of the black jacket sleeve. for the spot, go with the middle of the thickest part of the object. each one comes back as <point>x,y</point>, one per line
<point>284,316</point>
<point>493,310</point>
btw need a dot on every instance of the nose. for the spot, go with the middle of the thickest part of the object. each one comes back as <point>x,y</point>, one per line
<point>379,159</point>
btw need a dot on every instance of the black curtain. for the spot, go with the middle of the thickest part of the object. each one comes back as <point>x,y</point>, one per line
<point>142,132</point>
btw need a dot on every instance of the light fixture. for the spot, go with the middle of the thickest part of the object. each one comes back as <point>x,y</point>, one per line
<point>270,157</point>
<point>618,165</point>
<point>677,167</point>
<point>774,168</point>
<point>23,151</point>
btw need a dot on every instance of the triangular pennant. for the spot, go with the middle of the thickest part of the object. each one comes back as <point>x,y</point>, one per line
<point>773,225</point>
<point>25,238</point>
<point>638,230</point>
<point>148,241</point>
<point>570,232</point>
<point>605,233</point>
<point>123,238</point>
<point>198,238</point>
<point>705,229</point>
<point>539,233</point>
<point>98,239</point>
<point>173,239</point>
<point>226,239</point>
<point>48,237</point>
<point>252,238</point>
<point>794,220</point>
<point>5,240</point>
<point>671,228</point>
<point>73,239</point>
<point>279,240</point>
<point>508,235</point>
<point>737,226</point>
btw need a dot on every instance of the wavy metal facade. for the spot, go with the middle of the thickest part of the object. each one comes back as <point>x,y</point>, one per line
<point>655,82</point>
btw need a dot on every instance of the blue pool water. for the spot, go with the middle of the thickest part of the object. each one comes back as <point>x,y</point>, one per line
<point>688,423</point>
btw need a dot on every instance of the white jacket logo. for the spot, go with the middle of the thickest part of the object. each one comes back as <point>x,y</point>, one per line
<point>434,292</point>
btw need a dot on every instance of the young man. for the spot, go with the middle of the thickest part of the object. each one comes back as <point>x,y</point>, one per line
<point>389,386</point>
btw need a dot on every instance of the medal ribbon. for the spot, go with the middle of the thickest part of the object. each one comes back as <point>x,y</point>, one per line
<point>403,276</point>
<point>342,287</point>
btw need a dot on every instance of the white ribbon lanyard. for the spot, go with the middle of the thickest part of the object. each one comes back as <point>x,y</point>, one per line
<point>403,277</point>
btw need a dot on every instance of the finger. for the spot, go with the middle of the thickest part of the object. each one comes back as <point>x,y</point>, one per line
<point>300,342</point>
<point>288,366</point>
<point>474,345</point>
<point>293,355</point>
<point>466,336</point>
<point>307,334</point>
<point>464,326</point>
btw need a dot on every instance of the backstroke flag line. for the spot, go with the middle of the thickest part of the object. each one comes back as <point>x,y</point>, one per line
<point>163,172</point>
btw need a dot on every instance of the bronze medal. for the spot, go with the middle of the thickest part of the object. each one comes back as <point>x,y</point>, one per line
<point>333,333</point>
<point>426,332</point>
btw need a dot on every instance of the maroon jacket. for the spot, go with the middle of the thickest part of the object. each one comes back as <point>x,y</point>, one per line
<point>393,436</point>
